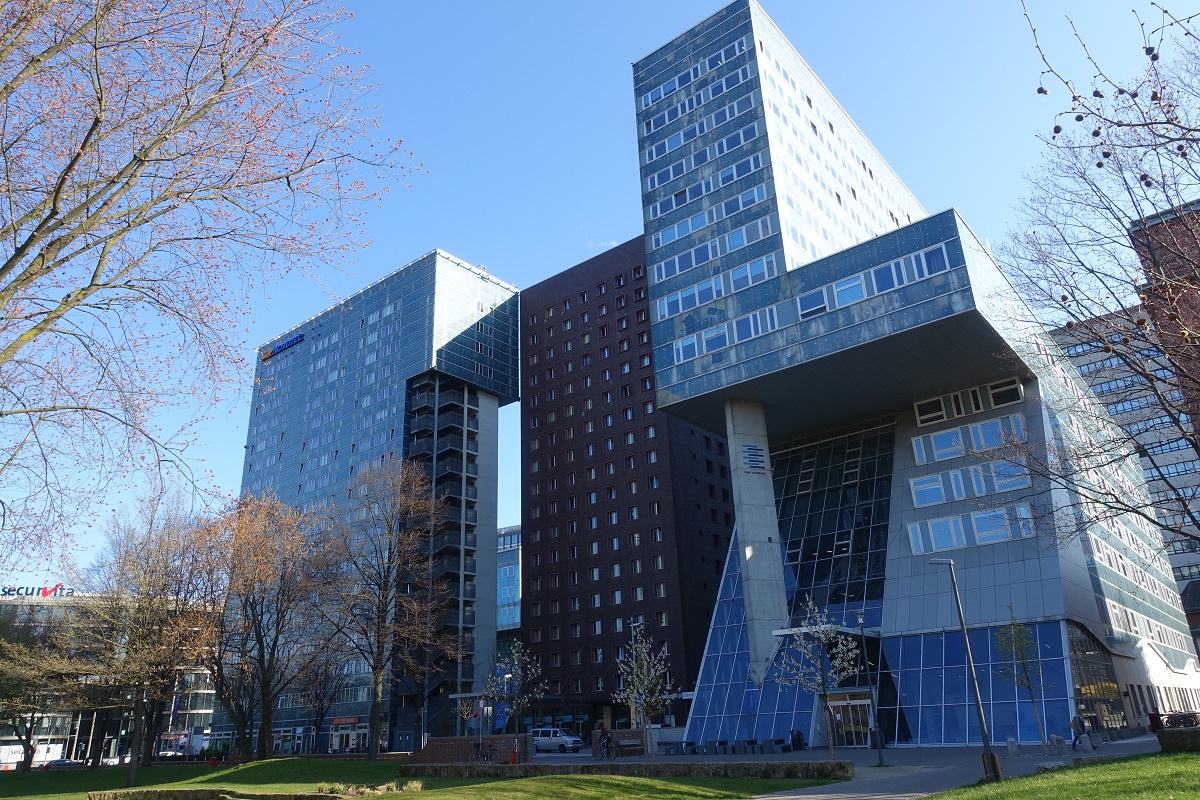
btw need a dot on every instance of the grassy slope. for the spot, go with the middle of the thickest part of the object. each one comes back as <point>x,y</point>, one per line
<point>298,775</point>
<point>1156,777</point>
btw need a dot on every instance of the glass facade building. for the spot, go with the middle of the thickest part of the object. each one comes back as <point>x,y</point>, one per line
<point>508,578</point>
<point>415,365</point>
<point>881,391</point>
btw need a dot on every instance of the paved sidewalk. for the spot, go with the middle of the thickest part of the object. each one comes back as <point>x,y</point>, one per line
<point>919,771</point>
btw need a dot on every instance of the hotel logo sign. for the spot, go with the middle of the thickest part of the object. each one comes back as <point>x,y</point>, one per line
<point>284,345</point>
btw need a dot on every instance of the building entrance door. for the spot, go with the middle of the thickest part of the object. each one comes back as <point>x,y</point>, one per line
<point>851,721</point>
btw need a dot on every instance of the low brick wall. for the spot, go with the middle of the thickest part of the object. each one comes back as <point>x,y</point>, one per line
<point>833,770</point>
<point>1179,740</point>
<point>459,749</point>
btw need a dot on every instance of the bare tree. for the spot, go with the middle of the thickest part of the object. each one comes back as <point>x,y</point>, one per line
<point>1021,664</point>
<point>157,162</point>
<point>823,657</point>
<point>1108,252</point>
<point>36,676</point>
<point>143,616</point>
<point>516,682</point>
<point>277,560</point>
<point>390,601</point>
<point>645,681</point>
<point>325,676</point>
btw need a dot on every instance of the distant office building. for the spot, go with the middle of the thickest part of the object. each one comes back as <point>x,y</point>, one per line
<point>1125,383</point>
<point>415,365</point>
<point>508,579</point>
<point>869,369</point>
<point>626,511</point>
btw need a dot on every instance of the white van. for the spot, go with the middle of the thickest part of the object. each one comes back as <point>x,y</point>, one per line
<point>554,739</point>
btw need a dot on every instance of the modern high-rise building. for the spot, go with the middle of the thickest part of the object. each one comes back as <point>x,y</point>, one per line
<point>626,511</point>
<point>1139,387</point>
<point>508,579</point>
<point>415,365</point>
<point>877,381</point>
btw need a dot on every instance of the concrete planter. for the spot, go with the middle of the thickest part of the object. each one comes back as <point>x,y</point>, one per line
<point>833,770</point>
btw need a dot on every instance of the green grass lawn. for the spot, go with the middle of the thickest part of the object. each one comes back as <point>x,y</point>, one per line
<point>283,775</point>
<point>1155,777</point>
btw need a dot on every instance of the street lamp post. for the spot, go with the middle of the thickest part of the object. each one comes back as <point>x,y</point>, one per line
<point>991,764</point>
<point>875,688</point>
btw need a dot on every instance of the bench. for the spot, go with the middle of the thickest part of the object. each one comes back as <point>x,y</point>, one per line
<point>629,747</point>
<point>670,748</point>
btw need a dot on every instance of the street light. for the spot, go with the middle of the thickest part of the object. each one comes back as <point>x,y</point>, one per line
<point>875,688</point>
<point>991,764</point>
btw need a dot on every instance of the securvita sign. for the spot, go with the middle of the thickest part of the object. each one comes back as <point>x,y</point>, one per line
<point>284,345</point>
<point>58,590</point>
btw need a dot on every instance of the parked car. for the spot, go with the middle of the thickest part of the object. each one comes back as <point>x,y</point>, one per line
<point>545,739</point>
<point>60,763</point>
<point>113,761</point>
<point>1181,719</point>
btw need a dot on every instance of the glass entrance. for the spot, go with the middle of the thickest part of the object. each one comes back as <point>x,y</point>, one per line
<point>851,715</point>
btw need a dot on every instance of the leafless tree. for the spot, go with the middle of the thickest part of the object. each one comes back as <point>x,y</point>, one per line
<point>158,161</point>
<point>143,617</point>
<point>389,598</point>
<point>277,560</point>
<point>818,659</point>
<point>1107,251</point>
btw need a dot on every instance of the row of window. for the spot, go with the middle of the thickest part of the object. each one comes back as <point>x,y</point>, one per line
<point>690,74</point>
<point>690,104</point>
<point>1124,406</point>
<point>742,329</point>
<point>713,214</point>
<point>986,435</point>
<point>878,280</point>
<point>968,402</point>
<point>702,156</point>
<point>988,527</point>
<point>700,188</point>
<point>982,479</point>
<point>568,390</point>
<point>722,245</point>
<point>740,277</point>
<point>1104,553</point>
<point>554,580</point>
<point>595,628</point>
<point>699,128</point>
<point>1136,381</point>
<point>1119,361</point>
<point>1171,470</point>
<point>615,597</point>
<point>653,509</point>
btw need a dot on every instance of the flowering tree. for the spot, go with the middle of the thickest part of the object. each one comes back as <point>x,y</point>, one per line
<point>824,658</point>
<point>516,682</point>
<point>158,160</point>
<point>645,681</point>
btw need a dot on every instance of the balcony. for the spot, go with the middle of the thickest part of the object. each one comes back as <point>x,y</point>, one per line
<point>455,466</point>
<point>423,422</point>
<point>454,566</point>
<point>422,400</point>
<point>468,591</point>
<point>451,420</point>
<point>468,643</point>
<point>448,397</point>
<point>458,491</point>
<point>468,515</point>
<point>453,540</point>
<point>421,447</point>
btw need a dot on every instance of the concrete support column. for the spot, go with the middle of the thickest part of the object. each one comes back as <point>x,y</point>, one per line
<point>757,531</point>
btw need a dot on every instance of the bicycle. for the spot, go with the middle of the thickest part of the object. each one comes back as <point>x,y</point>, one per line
<point>482,755</point>
<point>604,749</point>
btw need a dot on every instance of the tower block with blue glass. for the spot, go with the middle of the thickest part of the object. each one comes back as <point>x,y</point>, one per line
<point>878,381</point>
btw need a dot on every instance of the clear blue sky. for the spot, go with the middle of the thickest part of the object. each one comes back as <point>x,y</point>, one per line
<point>523,114</point>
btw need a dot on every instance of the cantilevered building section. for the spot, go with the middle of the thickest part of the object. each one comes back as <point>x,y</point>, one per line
<point>878,384</point>
<point>415,365</point>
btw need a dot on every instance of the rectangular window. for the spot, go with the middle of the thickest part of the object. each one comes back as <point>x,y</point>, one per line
<point>928,491</point>
<point>1025,522</point>
<point>888,277</point>
<point>1009,476</point>
<point>1005,393</point>
<point>930,411</point>
<point>956,485</point>
<point>991,526</point>
<point>987,435</point>
<point>812,304</point>
<point>947,444</point>
<point>947,533</point>
<point>919,450</point>
<point>849,291</point>
<point>915,539</point>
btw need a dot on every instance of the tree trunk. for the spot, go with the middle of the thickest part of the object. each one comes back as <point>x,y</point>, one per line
<point>829,731</point>
<point>27,748</point>
<point>1037,718</point>
<point>96,751</point>
<point>376,716</point>
<point>266,731</point>
<point>153,729</point>
<point>136,728</point>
